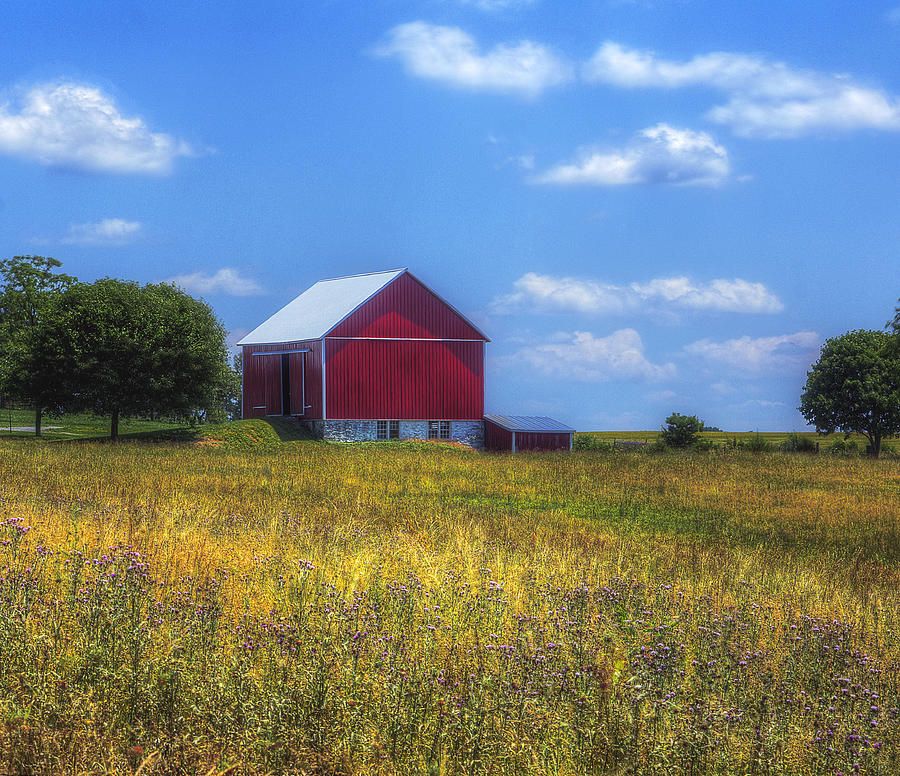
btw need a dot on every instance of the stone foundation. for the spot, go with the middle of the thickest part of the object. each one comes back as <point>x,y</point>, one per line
<point>466,432</point>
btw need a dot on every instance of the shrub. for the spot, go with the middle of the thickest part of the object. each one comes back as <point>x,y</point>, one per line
<point>757,444</point>
<point>590,442</point>
<point>796,443</point>
<point>844,447</point>
<point>681,431</point>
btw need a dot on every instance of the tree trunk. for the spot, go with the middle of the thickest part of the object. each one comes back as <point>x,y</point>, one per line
<point>37,421</point>
<point>114,426</point>
<point>876,444</point>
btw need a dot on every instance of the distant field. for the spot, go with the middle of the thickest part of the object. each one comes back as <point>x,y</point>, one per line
<point>776,438</point>
<point>283,606</point>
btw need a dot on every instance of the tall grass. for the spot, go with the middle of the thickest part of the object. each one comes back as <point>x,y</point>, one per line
<point>421,609</point>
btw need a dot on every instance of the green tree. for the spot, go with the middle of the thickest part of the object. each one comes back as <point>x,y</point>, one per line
<point>227,404</point>
<point>854,387</point>
<point>28,285</point>
<point>681,431</point>
<point>135,350</point>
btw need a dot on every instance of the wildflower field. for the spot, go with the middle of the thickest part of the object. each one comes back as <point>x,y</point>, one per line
<point>414,608</point>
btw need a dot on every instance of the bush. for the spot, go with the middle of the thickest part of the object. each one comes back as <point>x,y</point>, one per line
<point>795,443</point>
<point>590,442</point>
<point>681,431</point>
<point>757,444</point>
<point>844,447</point>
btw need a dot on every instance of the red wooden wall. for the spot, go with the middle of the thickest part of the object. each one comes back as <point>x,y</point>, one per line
<point>405,380</point>
<point>262,380</point>
<point>496,437</point>
<point>406,309</point>
<point>500,439</point>
<point>541,440</point>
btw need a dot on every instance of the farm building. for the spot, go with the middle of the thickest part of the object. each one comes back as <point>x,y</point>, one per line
<point>374,356</point>
<point>511,433</point>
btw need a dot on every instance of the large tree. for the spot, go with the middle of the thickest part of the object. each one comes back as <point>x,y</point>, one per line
<point>135,350</point>
<point>27,285</point>
<point>854,387</point>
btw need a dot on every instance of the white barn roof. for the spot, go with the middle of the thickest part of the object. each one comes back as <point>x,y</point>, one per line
<point>319,309</point>
<point>529,423</point>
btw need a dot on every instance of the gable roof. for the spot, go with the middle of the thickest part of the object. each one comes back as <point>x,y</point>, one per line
<point>326,304</point>
<point>320,308</point>
<point>529,423</point>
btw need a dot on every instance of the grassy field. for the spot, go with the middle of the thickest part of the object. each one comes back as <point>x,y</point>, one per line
<point>72,426</point>
<point>268,606</point>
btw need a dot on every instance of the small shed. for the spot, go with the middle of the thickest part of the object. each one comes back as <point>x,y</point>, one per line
<point>511,433</point>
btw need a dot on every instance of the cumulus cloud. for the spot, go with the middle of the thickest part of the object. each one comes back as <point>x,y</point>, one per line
<point>760,354</point>
<point>765,98</point>
<point>582,356</point>
<point>660,154</point>
<point>736,295</point>
<point>77,126</point>
<point>548,293</point>
<point>452,56</point>
<point>225,281</point>
<point>109,231</point>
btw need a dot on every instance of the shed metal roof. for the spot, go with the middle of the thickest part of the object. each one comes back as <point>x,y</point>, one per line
<point>529,423</point>
<point>319,309</point>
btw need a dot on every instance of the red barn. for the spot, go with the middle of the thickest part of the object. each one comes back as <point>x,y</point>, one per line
<point>375,356</point>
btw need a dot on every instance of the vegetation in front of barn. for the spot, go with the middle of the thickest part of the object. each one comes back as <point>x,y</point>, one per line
<point>359,609</point>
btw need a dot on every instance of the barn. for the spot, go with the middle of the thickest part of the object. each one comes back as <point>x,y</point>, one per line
<point>366,357</point>
<point>511,433</point>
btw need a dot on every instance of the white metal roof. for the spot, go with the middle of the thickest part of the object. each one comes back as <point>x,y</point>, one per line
<point>319,309</point>
<point>529,423</point>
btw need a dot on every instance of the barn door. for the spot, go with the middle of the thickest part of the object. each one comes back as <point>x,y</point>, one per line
<point>297,371</point>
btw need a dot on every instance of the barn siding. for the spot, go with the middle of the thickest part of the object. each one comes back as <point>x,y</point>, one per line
<point>262,380</point>
<point>404,380</point>
<point>405,308</point>
<point>497,438</point>
<point>541,440</point>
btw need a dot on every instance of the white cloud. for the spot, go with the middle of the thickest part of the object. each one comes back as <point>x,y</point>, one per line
<point>451,55</point>
<point>737,296</point>
<point>77,126</point>
<point>224,281</point>
<point>109,231</point>
<point>620,356</point>
<point>763,403</point>
<point>787,351</point>
<point>766,98</point>
<point>660,154</point>
<point>548,293</point>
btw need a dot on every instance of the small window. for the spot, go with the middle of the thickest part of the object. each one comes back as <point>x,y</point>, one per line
<point>387,429</point>
<point>439,429</point>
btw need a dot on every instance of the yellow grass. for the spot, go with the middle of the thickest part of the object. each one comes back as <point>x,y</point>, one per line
<point>504,543</point>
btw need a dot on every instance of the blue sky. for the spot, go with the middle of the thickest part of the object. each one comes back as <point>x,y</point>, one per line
<point>649,206</point>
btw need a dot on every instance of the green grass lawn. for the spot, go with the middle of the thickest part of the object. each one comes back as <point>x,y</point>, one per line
<point>72,426</point>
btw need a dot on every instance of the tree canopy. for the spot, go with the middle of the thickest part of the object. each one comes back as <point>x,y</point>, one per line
<point>27,286</point>
<point>854,387</point>
<point>126,349</point>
